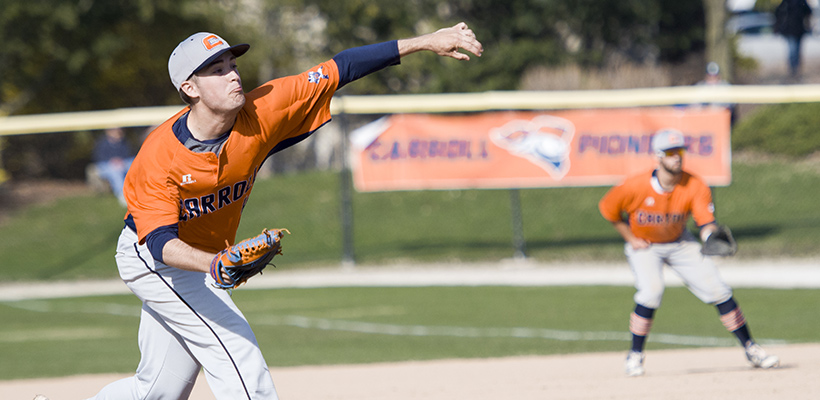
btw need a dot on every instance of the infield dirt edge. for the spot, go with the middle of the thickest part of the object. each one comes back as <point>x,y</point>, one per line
<point>702,373</point>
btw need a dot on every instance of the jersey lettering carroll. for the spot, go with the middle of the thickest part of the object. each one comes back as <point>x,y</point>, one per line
<point>198,206</point>
<point>204,193</point>
<point>658,217</point>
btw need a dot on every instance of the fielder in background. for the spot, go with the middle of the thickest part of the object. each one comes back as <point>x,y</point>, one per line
<point>185,192</point>
<point>650,211</point>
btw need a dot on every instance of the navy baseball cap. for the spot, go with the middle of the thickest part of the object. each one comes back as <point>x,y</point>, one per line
<point>668,139</point>
<point>197,51</point>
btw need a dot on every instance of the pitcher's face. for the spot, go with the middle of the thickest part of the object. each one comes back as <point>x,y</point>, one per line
<point>219,85</point>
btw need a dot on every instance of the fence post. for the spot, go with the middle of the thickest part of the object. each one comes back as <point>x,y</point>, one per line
<point>346,194</point>
<point>517,225</point>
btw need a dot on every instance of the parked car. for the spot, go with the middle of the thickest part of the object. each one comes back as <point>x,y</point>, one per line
<point>750,23</point>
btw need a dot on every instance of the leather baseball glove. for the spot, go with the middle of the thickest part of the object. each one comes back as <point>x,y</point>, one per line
<point>720,243</point>
<point>236,264</point>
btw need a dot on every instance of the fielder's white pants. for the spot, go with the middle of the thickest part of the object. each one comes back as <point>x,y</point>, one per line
<point>697,271</point>
<point>186,325</point>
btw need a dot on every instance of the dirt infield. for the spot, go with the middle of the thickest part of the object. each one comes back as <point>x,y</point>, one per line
<point>707,373</point>
<point>703,373</point>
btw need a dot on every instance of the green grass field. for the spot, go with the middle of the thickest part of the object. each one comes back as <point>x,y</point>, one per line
<point>360,325</point>
<point>771,207</point>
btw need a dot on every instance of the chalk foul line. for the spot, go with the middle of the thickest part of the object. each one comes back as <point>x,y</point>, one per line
<point>327,324</point>
<point>476,332</point>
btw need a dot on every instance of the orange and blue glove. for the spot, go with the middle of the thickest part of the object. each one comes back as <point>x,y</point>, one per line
<point>236,264</point>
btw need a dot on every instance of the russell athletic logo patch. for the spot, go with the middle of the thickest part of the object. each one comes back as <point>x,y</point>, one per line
<point>186,179</point>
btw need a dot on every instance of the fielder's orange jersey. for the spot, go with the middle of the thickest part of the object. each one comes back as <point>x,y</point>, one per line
<point>658,217</point>
<point>204,193</point>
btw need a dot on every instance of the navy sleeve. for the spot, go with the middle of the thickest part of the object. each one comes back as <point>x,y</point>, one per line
<point>157,239</point>
<point>360,61</point>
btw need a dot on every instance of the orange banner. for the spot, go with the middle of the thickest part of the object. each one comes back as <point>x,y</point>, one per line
<point>533,149</point>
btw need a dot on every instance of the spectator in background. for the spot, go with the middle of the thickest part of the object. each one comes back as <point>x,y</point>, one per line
<point>792,21</point>
<point>113,156</point>
<point>713,78</point>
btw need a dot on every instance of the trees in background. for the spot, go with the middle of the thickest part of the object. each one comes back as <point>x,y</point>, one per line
<point>60,56</point>
<point>91,54</point>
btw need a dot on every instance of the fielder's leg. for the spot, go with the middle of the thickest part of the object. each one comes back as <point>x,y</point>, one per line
<point>640,323</point>
<point>701,276</point>
<point>647,268</point>
<point>731,316</point>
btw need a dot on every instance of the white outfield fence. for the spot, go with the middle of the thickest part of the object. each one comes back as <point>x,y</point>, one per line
<point>443,103</point>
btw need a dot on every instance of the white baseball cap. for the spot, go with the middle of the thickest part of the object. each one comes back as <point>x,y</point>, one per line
<point>666,139</point>
<point>713,68</point>
<point>197,51</point>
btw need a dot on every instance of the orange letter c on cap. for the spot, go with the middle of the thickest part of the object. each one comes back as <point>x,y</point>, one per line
<point>211,41</point>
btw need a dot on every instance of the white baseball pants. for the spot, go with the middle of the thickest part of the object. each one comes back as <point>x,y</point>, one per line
<point>186,325</point>
<point>697,271</point>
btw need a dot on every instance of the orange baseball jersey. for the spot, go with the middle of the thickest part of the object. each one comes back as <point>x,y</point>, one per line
<point>654,216</point>
<point>204,193</point>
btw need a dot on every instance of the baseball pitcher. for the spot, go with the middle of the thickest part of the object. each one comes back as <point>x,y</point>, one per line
<point>185,192</point>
